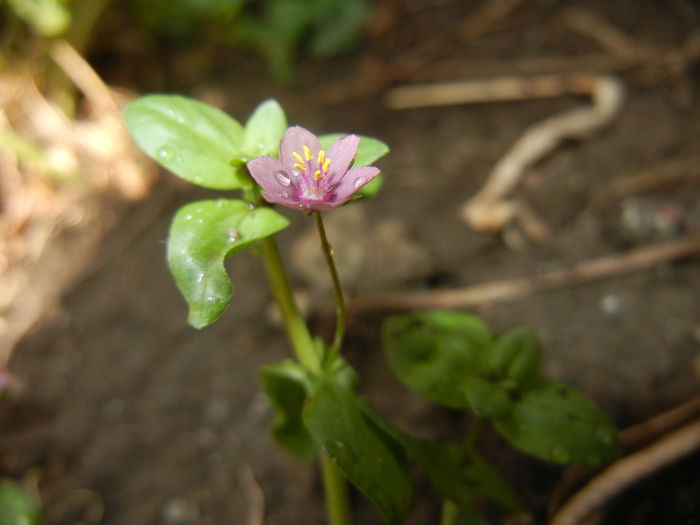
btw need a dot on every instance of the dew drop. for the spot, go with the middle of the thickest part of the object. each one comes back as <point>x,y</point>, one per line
<point>560,454</point>
<point>295,173</point>
<point>165,153</point>
<point>282,178</point>
<point>199,277</point>
<point>251,206</point>
<point>187,217</point>
<point>211,299</point>
<point>359,182</point>
<point>220,203</point>
<point>200,221</point>
<point>284,195</point>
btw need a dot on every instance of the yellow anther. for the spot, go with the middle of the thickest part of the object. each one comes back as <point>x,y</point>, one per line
<point>298,157</point>
<point>326,165</point>
<point>317,174</point>
<point>299,167</point>
<point>321,157</point>
<point>307,153</point>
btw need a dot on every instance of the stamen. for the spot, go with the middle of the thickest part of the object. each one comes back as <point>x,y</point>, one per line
<point>307,153</point>
<point>321,157</point>
<point>298,157</point>
<point>298,166</point>
<point>326,165</point>
<point>317,174</point>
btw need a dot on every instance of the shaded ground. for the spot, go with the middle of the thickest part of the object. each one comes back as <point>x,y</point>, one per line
<point>128,416</point>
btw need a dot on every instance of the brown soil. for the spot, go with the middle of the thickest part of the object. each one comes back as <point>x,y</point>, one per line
<point>128,416</point>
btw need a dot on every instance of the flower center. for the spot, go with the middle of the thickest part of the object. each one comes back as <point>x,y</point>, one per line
<point>306,163</point>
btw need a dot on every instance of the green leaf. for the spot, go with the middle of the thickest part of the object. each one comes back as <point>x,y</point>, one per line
<point>47,18</point>
<point>556,423</point>
<point>368,151</point>
<point>486,399</point>
<point>286,386</point>
<point>433,352</point>
<point>458,475</point>
<point>264,130</point>
<point>16,506</point>
<point>363,452</point>
<point>202,235</point>
<point>516,356</point>
<point>194,140</point>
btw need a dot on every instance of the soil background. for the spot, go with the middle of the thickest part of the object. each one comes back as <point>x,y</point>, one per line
<point>128,416</point>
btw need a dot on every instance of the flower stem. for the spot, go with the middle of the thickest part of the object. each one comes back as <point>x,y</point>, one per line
<point>336,490</point>
<point>334,350</point>
<point>297,330</point>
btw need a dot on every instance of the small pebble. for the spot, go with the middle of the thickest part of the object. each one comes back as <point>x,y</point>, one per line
<point>179,511</point>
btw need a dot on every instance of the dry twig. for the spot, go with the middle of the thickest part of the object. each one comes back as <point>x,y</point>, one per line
<point>511,289</point>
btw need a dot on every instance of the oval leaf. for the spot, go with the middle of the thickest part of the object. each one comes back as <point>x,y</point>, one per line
<point>557,423</point>
<point>195,141</point>
<point>264,130</point>
<point>202,235</point>
<point>433,352</point>
<point>17,506</point>
<point>363,452</point>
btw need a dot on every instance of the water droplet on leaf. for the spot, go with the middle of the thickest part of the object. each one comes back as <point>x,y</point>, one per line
<point>282,178</point>
<point>187,217</point>
<point>165,153</point>
<point>199,277</point>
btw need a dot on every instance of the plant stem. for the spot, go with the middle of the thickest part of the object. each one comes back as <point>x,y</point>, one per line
<point>334,350</point>
<point>297,330</point>
<point>336,490</point>
<point>449,512</point>
<point>335,486</point>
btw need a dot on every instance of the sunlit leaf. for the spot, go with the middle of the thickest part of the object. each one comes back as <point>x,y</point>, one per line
<point>264,130</point>
<point>17,507</point>
<point>202,235</point>
<point>194,140</point>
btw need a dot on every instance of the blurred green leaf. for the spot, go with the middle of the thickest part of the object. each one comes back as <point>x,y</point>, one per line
<point>557,423</point>
<point>516,356</point>
<point>337,25</point>
<point>17,507</point>
<point>264,130</point>
<point>202,235</point>
<point>194,140</point>
<point>486,399</point>
<point>47,18</point>
<point>286,386</point>
<point>433,351</point>
<point>363,452</point>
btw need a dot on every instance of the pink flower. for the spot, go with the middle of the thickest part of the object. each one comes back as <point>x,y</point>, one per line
<point>308,178</point>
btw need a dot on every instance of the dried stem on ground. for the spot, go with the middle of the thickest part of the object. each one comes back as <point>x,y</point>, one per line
<point>492,208</point>
<point>511,289</point>
<point>56,174</point>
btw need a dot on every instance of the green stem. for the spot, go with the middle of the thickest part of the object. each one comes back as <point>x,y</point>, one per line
<point>297,330</point>
<point>339,300</point>
<point>450,511</point>
<point>336,490</point>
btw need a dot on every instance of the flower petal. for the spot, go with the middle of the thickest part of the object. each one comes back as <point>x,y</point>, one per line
<point>342,152</point>
<point>293,141</point>
<point>263,170</point>
<point>353,180</point>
